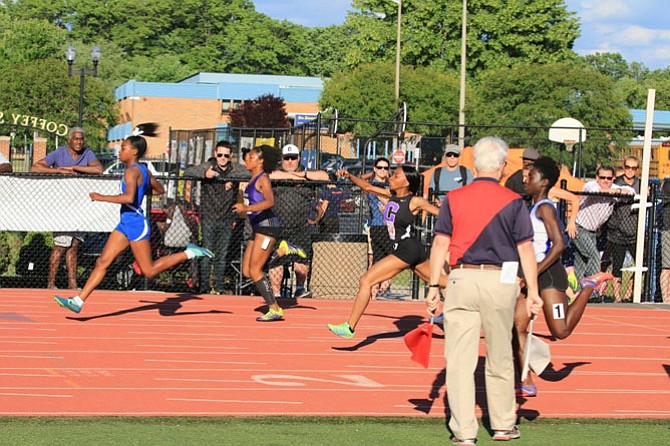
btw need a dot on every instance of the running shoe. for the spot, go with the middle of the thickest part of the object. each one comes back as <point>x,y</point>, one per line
<point>507,435</point>
<point>199,251</point>
<point>528,391</point>
<point>572,278</point>
<point>291,249</point>
<point>68,303</point>
<point>342,330</point>
<point>271,316</point>
<point>595,281</point>
<point>463,442</point>
<point>302,293</point>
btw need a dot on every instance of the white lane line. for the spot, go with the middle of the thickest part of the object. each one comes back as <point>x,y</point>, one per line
<point>197,400</point>
<point>36,394</point>
<point>181,334</point>
<point>193,346</point>
<point>28,342</point>
<point>205,362</point>
<point>31,357</point>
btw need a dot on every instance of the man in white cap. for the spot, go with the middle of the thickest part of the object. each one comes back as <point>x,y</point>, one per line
<point>292,205</point>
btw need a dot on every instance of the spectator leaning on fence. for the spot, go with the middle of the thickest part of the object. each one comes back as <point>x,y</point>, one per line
<point>594,211</point>
<point>450,176</point>
<point>622,228</point>
<point>71,159</point>
<point>218,194</point>
<point>292,204</point>
<point>5,165</point>
<point>485,244</point>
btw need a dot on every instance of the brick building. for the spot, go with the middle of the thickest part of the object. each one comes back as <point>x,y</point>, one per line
<point>204,100</point>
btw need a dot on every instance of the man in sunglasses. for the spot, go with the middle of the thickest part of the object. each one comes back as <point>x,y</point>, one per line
<point>218,193</point>
<point>594,210</point>
<point>622,228</point>
<point>450,176</point>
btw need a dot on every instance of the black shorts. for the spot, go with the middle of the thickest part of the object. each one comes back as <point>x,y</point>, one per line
<point>410,251</point>
<point>554,277</point>
<point>381,243</point>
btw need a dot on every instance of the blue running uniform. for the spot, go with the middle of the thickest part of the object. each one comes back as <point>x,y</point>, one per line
<point>134,224</point>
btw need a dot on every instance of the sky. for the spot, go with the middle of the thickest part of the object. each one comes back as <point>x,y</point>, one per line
<point>637,29</point>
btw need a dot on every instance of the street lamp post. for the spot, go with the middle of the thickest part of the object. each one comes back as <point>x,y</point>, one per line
<point>70,54</point>
<point>397,54</point>
<point>461,106</point>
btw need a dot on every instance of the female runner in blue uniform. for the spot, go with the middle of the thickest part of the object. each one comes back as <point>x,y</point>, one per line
<point>549,244</point>
<point>399,214</point>
<point>133,229</point>
<point>266,226</point>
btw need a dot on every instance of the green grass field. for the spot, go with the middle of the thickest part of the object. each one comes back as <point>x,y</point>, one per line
<point>313,431</point>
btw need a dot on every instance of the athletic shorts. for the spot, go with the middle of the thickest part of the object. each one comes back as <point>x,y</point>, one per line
<point>64,239</point>
<point>411,252</point>
<point>554,277</point>
<point>270,227</point>
<point>382,245</point>
<point>134,226</point>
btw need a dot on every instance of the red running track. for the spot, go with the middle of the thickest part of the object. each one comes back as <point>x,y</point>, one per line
<point>146,353</point>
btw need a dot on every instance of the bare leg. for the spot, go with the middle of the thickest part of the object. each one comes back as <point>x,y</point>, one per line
<point>54,263</point>
<point>423,271</point>
<point>71,263</point>
<point>561,317</point>
<point>116,244</point>
<point>385,269</point>
<point>255,257</point>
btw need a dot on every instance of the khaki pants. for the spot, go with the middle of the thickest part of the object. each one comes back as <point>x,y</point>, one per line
<point>476,300</point>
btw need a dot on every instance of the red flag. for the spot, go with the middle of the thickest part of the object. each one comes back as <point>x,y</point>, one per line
<point>418,342</point>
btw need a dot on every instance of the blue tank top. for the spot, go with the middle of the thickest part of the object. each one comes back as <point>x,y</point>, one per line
<point>253,196</point>
<point>136,206</point>
<point>399,218</point>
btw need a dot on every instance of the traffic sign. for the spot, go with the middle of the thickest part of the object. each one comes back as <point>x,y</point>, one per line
<point>399,156</point>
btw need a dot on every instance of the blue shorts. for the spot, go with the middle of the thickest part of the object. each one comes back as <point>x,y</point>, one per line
<point>134,226</point>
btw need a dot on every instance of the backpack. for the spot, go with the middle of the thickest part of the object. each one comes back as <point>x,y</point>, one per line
<point>438,171</point>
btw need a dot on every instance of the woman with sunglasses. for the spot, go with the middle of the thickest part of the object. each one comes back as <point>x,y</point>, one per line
<point>402,206</point>
<point>134,229</point>
<point>380,245</point>
<point>219,183</point>
<point>266,226</point>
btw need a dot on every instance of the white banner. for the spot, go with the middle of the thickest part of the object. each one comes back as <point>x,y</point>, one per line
<point>57,204</point>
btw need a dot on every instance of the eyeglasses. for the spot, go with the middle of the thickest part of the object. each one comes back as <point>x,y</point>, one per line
<point>291,158</point>
<point>382,167</point>
<point>630,167</point>
<point>451,155</point>
<point>605,178</point>
<point>227,155</point>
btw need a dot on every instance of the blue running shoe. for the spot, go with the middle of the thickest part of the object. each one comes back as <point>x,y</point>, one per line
<point>271,316</point>
<point>199,251</point>
<point>68,303</point>
<point>342,330</point>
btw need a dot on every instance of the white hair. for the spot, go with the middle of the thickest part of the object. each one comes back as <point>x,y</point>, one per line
<point>490,153</point>
<point>73,130</point>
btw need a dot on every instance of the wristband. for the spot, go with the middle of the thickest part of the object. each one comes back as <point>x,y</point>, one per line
<point>433,285</point>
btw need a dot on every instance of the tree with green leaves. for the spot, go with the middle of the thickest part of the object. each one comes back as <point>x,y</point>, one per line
<point>500,34</point>
<point>537,95</point>
<point>266,111</point>
<point>367,93</point>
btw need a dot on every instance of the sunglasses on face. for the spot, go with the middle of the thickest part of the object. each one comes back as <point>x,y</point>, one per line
<point>225,155</point>
<point>291,158</point>
<point>630,167</point>
<point>605,178</point>
<point>451,155</point>
<point>382,167</point>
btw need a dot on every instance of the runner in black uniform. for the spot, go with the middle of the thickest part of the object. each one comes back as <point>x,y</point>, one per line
<point>399,215</point>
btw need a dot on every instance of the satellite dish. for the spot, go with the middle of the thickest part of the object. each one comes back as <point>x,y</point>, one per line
<point>568,131</point>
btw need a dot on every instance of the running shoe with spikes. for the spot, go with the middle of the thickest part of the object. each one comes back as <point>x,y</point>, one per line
<point>199,251</point>
<point>272,316</point>
<point>291,249</point>
<point>342,330</point>
<point>596,280</point>
<point>68,303</point>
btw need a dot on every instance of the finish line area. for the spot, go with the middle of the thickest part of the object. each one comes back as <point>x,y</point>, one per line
<point>163,354</point>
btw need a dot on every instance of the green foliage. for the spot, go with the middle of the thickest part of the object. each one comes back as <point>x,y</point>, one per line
<point>266,111</point>
<point>5,251</point>
<point>367,93</point>
<point>499,34</point>
<point>537,95</point>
